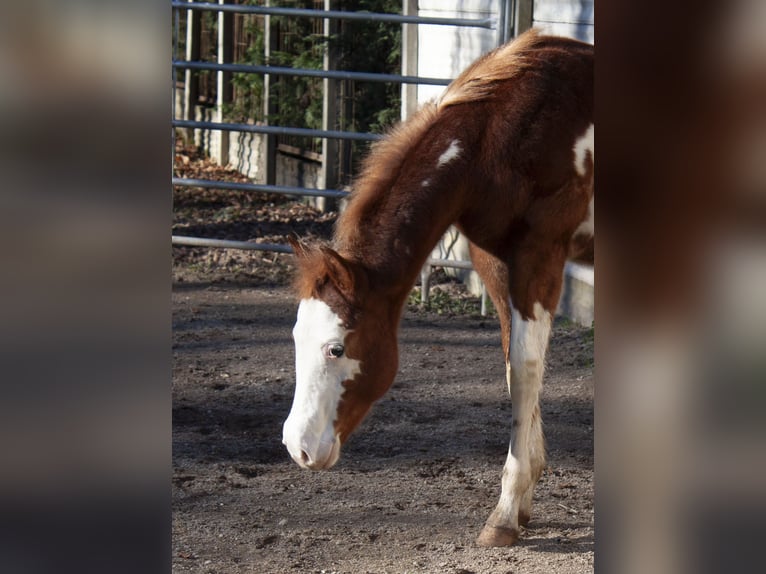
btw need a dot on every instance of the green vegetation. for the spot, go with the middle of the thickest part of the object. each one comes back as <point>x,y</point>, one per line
<point>449,300</point>
<point>300,43</point>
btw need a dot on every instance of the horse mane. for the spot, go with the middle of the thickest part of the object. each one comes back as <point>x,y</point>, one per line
<point>479,80</point>
<point>380,170</point>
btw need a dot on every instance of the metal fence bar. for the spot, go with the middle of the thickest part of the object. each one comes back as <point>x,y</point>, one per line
<point>241,186</point>
<point>488,23</point>
<point>450,263</point>
<point>307,72</point>
<point>276,130</point>
<point>253,246</point>
<point>229,244</point>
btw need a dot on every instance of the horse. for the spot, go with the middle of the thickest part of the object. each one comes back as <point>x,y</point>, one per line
<point>506,154</point>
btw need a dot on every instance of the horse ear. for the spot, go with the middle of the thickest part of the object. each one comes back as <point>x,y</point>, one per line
<point>339,271</point>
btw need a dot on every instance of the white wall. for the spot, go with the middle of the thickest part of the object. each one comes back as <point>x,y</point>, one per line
<point>445,51</point>
<point>573,18</point>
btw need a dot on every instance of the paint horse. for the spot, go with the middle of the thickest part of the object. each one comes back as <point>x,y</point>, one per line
<point>507,155</point>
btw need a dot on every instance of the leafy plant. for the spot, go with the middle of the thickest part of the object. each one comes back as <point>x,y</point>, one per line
<point>445,301</point>
<point>297,101</point>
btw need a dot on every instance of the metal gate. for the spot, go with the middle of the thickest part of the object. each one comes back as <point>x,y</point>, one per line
<point>512,17</point>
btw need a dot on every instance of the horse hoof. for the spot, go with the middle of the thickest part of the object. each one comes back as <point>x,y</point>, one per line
<point>497,536</point>
<point>523,518</point>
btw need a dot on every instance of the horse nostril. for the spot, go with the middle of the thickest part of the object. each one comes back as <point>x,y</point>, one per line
<point>305,459</point>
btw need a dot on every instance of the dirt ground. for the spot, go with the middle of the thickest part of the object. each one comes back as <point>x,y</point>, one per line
<point>415,482</point>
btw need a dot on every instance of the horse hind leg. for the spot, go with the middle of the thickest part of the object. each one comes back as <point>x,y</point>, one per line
<point>494,273</point>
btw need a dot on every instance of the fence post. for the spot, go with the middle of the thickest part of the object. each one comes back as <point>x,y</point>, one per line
<point>191,82</point>
<point>409,59</point>
<point>523,16</point>
<point>505,21</point>
<point>329,173</point>
<point>269,140</point>
<point>225,89</point>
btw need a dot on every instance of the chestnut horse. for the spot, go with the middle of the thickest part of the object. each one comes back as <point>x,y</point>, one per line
<point>507,155</point>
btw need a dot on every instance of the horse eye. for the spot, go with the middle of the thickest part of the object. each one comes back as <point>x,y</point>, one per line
<point>336,351</point>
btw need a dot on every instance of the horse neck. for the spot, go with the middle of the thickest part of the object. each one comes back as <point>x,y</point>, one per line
<point>392,232</point>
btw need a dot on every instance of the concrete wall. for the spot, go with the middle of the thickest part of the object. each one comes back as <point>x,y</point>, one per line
<point>577,296</point>
<point>298,169</point>
<point>246,155</point>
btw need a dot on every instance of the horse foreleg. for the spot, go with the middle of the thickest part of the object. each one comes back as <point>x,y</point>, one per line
<point>537,464</point>
<point>535,285</point>
<point>526,454</point>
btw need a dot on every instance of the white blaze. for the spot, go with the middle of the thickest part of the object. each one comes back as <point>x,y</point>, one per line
<point>309,432</point>
<point>582,146</point>
<point>449,154</point>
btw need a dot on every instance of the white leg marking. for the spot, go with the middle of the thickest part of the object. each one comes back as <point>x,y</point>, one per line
<point>529,342</point>
<point>582,146</point>
<point>587,226</point>
<point>309,432</point>
<point>450,153</point>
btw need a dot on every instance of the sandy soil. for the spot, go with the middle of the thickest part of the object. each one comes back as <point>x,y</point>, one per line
<point>416,481</point>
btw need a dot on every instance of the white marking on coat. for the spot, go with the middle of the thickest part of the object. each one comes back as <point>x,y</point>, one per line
<point>450,153</point>
<point>529,342</point>
<point>308,432</point>
<point>587,226</point>
<point>529,338</point>
<point>582,146</point>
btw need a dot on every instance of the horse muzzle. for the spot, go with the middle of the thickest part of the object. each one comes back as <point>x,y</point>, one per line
<point>311,453</point>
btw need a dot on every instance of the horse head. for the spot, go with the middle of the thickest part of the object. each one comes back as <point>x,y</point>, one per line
<point>345,354</point>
